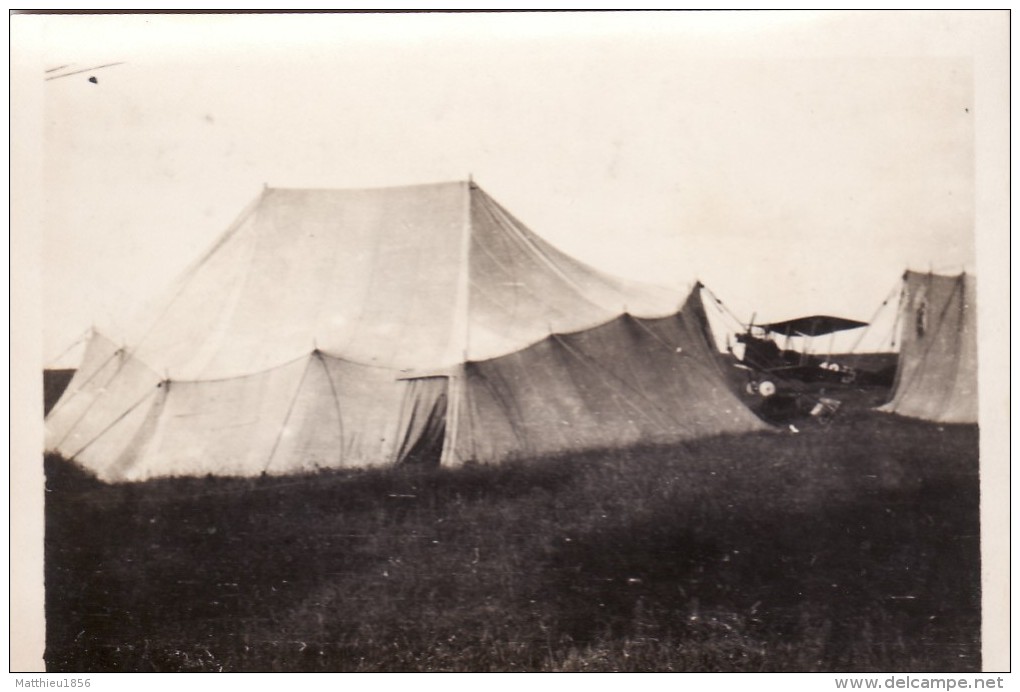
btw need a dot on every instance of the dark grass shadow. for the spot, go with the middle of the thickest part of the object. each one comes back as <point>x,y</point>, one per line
<point>901,572</point>
<point>845,547</point>
<point>128,565</point>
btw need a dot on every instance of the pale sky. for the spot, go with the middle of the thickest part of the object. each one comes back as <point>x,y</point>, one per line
<point>796,163</point>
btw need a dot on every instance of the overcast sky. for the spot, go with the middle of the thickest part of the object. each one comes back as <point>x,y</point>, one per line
<point>795,162</point>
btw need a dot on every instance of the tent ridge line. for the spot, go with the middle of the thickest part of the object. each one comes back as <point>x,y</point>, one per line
<point>376,188</point>
<point>553,334</point>
<point>189,273</point>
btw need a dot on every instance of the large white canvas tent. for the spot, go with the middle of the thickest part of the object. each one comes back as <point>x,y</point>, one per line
<point>340,328</point>
<point>937,374</point>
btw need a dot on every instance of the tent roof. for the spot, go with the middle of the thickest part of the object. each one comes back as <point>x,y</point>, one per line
<point>813,325</point>
<point>408,278</point>
<point>323,328</point>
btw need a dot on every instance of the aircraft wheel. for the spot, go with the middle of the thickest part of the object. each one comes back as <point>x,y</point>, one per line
<point>766,388</point>
<point>751,388</point>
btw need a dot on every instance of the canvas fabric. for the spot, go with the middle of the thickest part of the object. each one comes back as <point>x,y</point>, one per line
<point>630,380</point>
<point>937,373</point>
<point>356,328</point>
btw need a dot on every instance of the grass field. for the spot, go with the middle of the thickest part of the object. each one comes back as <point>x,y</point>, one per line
<point>847,547</point>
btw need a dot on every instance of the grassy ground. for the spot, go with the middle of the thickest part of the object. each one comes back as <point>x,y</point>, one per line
<point>852,546</point>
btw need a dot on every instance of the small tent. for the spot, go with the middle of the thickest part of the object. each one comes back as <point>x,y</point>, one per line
<point>350,328</point>
<point>937,374</point>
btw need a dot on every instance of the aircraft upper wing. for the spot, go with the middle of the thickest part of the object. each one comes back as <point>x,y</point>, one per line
<point>813,325</point>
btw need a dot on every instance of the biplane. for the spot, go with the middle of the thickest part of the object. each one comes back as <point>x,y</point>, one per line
<point>775,367</point>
